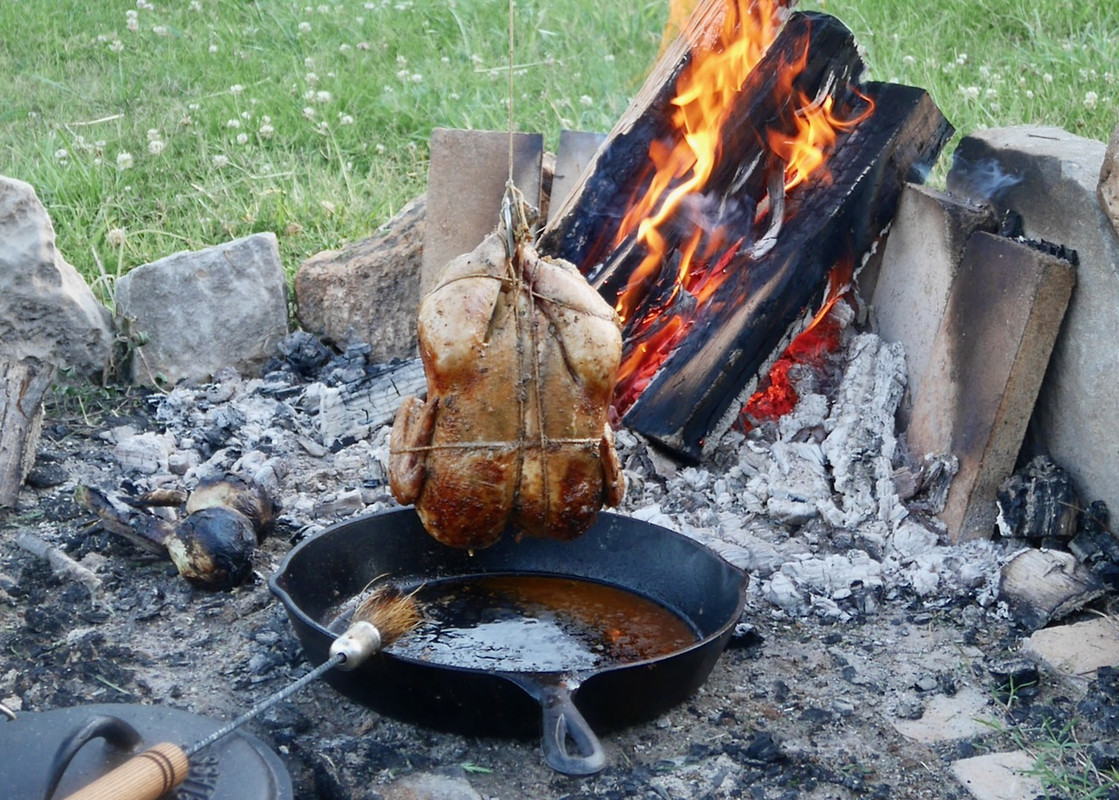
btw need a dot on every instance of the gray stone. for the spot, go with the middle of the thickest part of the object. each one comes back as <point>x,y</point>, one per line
<point>47,311</point>
<point>1108,190</point>
<point>224,306</point>
<point>369,291</point>
<point>919,264</point>
<point>1050,177</point>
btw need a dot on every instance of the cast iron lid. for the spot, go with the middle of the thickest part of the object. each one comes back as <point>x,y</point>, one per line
<point>238,767</point>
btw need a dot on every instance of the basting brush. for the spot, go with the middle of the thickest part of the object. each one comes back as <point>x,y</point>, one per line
<point>381,619</point>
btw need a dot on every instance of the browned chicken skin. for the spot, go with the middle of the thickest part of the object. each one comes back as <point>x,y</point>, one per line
<point>521,357</point>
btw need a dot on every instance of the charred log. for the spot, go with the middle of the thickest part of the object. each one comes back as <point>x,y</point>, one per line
<point>753,312</point>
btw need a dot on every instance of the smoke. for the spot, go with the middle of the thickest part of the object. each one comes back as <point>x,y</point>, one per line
<point>983,180</point>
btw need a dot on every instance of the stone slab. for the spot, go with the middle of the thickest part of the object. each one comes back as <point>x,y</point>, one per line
<point>919,263</point>
<point>200,311</point>
<point>988,359</point>
<point>999,776</point>
<point>960,716</point>
<point>1078,649</point>
<point>465,183</point>
<point>1051,178</point>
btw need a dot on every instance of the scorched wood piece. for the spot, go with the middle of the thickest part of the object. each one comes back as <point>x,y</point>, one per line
<point>521,356</point>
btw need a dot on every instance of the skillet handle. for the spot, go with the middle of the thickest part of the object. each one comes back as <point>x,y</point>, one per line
<point>562,724</point>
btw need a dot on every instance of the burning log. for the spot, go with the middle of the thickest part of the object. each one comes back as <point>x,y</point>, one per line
<point>707,298</point>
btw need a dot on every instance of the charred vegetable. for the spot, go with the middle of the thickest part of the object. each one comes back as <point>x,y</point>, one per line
<point>213,547</point>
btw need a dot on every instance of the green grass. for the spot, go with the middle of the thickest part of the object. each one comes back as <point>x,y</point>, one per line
<point>221,118</point>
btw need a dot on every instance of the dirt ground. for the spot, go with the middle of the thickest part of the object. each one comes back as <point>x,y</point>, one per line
<point>794,708</point>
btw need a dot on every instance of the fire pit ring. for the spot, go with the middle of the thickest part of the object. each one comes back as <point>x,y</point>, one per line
<point>568,706</point>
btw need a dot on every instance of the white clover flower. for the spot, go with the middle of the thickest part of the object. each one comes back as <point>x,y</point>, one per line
<point>311,78</point>
<point>246,115</point>
<point>370,6</point>
<point>213,48</point>
<point>233,123</point>
<point>153,134</point>
<point>62,155</point>
<point>1029,94</point>
<point>309,112</point>
<point>608,58</point>
<point>323,97</point>
<point>145,5</point>
<point>195,5</point>
<point>380,149</point>
<point>344,48</point>
<point>961,59</point>
<point>155,147</point>
<point>309,63</point>
<point>363,45</point>
<point>403,74</point>
<point>266,131</point>
<point>908,60</point>
<point>116,45</point>
<point>970,92</point>
<point>193,106</point>
<point>1090,99</point>
<point>304,27</point>
<point>220,161</point>
<point>345,119</point>
<point>242,138</point>
<point>586,100</point>
<point>161,30</point>
<point>324,126</point>
<point>416,77</point>
<point>131,13</point>
<point>323,9</point>
<point>132,24</point>
<point>115,237</point>
<point>401,60</point>
<point>359,20</point>
<point>236,89</point>
<point>1047,78</point>
<point>124,160</point>
<point>991,92</point>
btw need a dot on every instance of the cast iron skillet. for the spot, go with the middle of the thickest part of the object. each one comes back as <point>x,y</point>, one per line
<point>678,573</point>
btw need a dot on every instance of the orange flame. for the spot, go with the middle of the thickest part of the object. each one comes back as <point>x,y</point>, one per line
<point>706,90</point>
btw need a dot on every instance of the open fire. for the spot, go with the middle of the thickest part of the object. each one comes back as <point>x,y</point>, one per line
<point>674,219</point>
<point>732,216</point>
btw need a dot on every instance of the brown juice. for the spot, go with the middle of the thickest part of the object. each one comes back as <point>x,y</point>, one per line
<point>539,623</point>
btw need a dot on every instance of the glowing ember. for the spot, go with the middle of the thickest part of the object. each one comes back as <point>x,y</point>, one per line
<point>684,237</point>
<point>776,395</point>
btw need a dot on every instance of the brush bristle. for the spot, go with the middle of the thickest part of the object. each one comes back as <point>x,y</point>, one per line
<point>392,612</point>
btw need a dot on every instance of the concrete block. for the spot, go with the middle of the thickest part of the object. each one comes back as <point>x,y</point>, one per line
<point>1051,178</point>
<point>465,183</point>
<point>919,263</point>
<point>987,362</point>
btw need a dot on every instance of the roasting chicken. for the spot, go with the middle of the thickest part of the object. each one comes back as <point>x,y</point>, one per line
<point>521,357</point>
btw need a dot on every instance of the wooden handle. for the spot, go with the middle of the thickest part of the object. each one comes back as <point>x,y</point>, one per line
<point>147,776</point>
